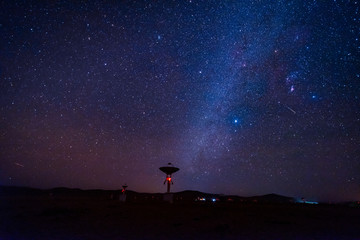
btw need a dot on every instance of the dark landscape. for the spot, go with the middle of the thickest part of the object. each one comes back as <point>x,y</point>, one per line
<point>63,213</point>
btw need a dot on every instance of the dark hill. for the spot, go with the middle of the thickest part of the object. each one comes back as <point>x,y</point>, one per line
<point>271,198</point>
<point>132,196</point>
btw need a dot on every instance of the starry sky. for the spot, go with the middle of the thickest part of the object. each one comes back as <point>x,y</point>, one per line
<point>245,97</point>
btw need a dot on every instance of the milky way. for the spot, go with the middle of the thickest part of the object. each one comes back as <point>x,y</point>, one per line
<point>245,97</point>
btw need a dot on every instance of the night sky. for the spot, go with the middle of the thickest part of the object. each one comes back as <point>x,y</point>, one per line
<point>245,97</point>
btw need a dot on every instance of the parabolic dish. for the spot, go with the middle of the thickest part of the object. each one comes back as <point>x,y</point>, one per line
<point>169,170</point>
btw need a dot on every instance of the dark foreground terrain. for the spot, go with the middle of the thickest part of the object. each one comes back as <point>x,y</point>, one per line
<point>67,217</point>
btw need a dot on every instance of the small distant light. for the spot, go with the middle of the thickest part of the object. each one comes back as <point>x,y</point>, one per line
<point>236,121</point>
<point>214,200</point>
<point>292,88</point>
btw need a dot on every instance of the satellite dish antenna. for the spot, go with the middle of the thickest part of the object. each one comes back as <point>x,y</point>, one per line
<point>169,170</point>
<point>122,196</point>
<point>124,188</point>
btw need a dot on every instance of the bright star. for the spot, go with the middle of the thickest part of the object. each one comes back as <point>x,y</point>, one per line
<point>292,88</point>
